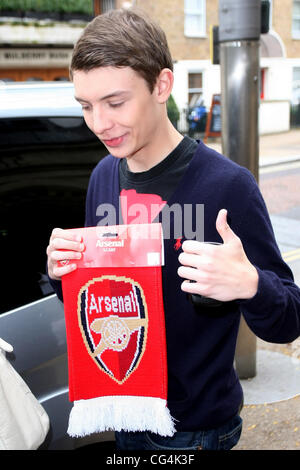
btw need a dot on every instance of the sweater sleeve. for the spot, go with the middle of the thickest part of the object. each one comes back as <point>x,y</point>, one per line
<point>273,314</point>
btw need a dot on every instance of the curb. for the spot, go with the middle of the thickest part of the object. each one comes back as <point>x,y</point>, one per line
<point>270,161</point>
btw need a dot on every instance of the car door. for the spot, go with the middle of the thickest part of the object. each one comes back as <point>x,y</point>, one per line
<point>45,163</point>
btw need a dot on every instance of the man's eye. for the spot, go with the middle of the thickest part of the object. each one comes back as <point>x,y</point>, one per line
<point>116,105</point>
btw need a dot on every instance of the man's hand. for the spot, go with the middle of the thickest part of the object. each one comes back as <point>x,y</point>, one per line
<point>222,272</point>
<point>63,245</point>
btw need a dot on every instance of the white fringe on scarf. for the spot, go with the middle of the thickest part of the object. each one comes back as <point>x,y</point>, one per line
<point>120,413</point>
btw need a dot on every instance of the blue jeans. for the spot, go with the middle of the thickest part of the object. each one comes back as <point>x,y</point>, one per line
<point>223,438</point>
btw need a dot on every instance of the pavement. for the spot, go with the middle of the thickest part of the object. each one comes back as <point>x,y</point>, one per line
<point>273,148</point>
<point>271,412</point>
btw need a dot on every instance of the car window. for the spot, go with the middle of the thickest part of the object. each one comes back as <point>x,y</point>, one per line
<point>45,164</point>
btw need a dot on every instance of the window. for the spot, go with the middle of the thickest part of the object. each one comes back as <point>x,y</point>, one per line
<point>194,18</point>
<point>195,88</point>
<point>296,19</point>
<point>295,104</point>
<point>296,86</point>
<point>108,5</point>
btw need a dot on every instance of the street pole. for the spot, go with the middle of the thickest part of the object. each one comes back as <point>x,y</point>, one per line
<point>239,34</point>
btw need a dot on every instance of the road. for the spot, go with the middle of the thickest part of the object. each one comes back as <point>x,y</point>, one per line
<point>280,186</point>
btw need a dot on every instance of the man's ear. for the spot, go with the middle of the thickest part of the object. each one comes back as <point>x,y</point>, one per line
<point>164,85</point>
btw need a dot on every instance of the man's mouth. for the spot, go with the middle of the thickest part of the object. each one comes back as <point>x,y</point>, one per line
<point>114,142</point>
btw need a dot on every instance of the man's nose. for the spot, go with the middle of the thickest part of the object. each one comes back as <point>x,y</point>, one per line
<point>101,122</point>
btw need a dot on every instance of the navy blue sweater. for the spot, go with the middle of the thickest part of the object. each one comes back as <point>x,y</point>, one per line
<point>203,388</point>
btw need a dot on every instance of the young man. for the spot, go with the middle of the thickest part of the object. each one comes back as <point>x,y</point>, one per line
<point>122,74</point>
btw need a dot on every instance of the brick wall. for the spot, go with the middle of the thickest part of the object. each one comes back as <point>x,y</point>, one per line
<point>170,15</point>
<point>282,24</point>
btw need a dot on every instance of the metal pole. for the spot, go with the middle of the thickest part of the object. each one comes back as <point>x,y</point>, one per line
<point>239,33</point>
<point>240,80</point>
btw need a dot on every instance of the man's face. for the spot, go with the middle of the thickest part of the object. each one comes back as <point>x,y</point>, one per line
<point>119,108</point>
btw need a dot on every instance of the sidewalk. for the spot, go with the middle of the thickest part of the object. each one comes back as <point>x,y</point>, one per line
<point>280,147</point>
<point>271,413</point>
<point>273,148</point>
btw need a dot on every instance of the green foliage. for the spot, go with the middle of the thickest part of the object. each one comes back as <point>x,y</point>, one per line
<point>64,6</point>
<point>173,111</point>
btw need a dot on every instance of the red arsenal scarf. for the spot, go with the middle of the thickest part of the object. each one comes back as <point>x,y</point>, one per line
<point>116,332</point>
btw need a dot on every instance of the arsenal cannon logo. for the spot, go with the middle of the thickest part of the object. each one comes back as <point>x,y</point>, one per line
<point>113,319</point>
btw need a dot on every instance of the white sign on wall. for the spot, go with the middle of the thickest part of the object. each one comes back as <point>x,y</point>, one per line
<point>24,58</point>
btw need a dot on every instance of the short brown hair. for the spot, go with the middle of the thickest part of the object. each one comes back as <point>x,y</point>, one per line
<point>123,38</point>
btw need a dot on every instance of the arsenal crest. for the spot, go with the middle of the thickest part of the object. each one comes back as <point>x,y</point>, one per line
<point>113,319</point>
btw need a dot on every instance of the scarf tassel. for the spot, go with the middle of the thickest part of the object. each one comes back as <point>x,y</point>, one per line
<point>121,413</point>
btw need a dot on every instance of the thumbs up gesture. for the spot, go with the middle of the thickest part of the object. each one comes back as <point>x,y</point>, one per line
<point>222,272</point>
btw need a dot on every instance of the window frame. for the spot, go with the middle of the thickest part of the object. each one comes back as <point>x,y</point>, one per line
<point>197,90</point>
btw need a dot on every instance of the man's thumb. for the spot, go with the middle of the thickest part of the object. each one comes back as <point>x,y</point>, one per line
<point>223,228</point>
